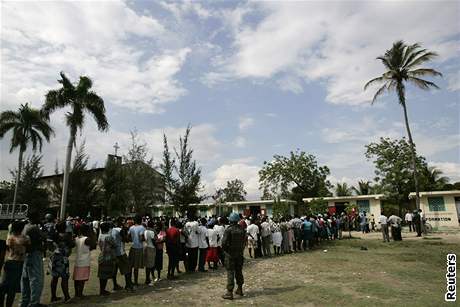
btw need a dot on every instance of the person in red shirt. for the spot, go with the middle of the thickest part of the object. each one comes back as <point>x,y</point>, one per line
<point>172,248</point>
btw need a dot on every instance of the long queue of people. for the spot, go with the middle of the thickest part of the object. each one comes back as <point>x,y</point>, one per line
<point>194,242</point>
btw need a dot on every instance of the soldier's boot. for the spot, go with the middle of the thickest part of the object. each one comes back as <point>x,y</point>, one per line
<point>228,295</point>
<point>239,291</point>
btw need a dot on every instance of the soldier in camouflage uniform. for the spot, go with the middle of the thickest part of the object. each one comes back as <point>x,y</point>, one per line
<point>233,246</point>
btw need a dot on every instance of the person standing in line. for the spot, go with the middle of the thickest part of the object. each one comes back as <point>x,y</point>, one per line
<point>64,243</point>
<point>149,252</point>
<point>172,247</point>
<point>159,242</point>
<point>16,244</point>
<point>253,233</point>
<point>220,229</point>
<point>120,236</point>
<point>408,220</point>
<point>212,255</point>
<point>191,227</point>
<point>107,258</point>
<point>266,237</point>
<point>136,252</point>
<point>233,245</point>
<point>84,243</point>
<point>277,238</point>
<point>202,244</point>
<point>383,221</point>
<point>307,233</point>
<point>32,278</point>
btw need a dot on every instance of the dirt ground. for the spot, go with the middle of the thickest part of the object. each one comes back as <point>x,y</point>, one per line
<point>362,271</point>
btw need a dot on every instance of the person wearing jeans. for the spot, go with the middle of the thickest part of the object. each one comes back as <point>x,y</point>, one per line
<point>32,273</point>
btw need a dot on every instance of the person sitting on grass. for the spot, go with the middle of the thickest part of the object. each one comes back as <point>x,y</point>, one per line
<point>64,243</point>
<point>84,243</point>
<point>106,259</point>
<point>16,244</point>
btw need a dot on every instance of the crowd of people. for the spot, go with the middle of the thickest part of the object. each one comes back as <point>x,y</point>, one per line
<point>199,244</point>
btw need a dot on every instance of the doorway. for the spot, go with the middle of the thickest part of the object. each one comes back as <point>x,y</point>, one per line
<point>255,210</point>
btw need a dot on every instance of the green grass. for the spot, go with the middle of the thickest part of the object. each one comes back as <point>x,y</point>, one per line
<point>409,273</point>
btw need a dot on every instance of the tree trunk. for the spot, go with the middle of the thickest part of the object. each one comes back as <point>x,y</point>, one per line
<point>414,161</point>
<point>18,179</point>
<point>65,181</point>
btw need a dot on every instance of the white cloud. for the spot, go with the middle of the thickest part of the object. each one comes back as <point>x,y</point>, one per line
<point>202,140</point>
<point>449,169</point>
<point>319,41</point>
<point>94,39</point>
<point>453,81</point>
<point>249,174</point>
<point>245,122</point>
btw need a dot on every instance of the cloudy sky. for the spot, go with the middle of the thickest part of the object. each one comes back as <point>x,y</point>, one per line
<point>254,79</point>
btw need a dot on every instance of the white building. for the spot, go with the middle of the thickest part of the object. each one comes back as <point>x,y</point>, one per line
<point>441,208</point>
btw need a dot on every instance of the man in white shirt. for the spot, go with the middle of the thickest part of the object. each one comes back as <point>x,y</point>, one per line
<point>408,219</point>
<point>220,229</point>
<point>253,233</point>
<point>192,229</point>
<point>395,223</point>
<point>383,221</point>
<point>266,237</point>
<point>202,244</point>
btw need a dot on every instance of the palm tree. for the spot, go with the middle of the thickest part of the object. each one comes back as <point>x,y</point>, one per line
<point>342,189</point>
<point>363,188</point>
<point>402,62</point>
<point>27,126</point>
<point>435,180</point>
<point>81,100</point>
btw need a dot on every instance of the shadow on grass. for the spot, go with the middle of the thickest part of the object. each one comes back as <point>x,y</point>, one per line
<point>269,291</point>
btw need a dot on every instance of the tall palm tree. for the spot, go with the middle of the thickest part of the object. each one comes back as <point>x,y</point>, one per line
<point>27,126</point>
<point>342,189</point>
<point>402,63</point>
<point>81,100</point>
<point>434,178</point>
<point>363,188</point>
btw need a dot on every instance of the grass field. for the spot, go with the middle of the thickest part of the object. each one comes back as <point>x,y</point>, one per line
<point>410,273</point>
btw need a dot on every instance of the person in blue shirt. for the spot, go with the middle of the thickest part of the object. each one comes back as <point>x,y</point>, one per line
<point>307,233</point>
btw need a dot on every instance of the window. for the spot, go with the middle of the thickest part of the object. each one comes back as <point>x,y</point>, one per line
<point>363,205</point>
<point>436,203</point>
<point>241,208</point>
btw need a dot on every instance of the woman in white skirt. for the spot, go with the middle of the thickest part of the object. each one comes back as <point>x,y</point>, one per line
<point>149,252</point>
<point>277,238</point>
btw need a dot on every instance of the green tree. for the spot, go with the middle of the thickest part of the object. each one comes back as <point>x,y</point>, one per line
<point>280,208</point>
<point>393,169</point>
<point>81,99</point>
<point>183,175</point>
<point>142,181</point>
<point>114,182</point>
<point>402,63</point>
<point>234,191</point>
<point>432,179</point>
<point>29,191</point>
<point>317,206</point>
<point>342,189</point>
<point>28,126</point>
<point>364,188</point>
<point>294,177</point>
<point>84,192</point>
